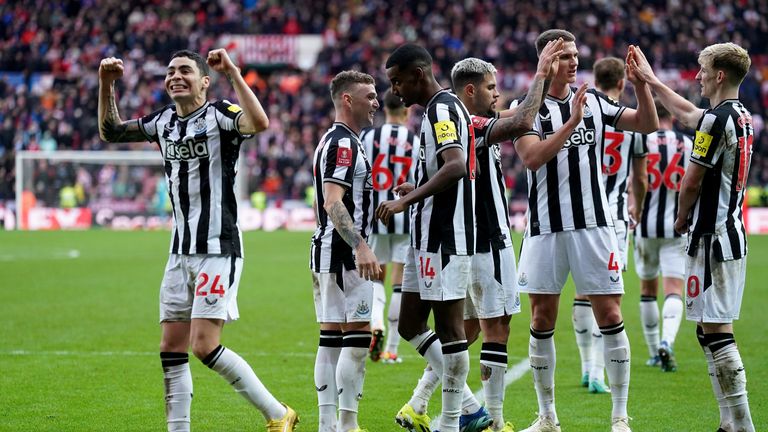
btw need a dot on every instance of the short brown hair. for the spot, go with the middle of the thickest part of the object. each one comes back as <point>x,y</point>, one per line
<point>729,58</point>
<point>553,34</point>
<point>344,80</point>
<point>608,72</point>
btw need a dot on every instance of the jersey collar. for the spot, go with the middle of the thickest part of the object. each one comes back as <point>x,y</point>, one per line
<point>347,128</point>
<point>195,112</point>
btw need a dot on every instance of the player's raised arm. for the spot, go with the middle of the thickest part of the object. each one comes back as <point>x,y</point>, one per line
<point>254,118</point>
<point>535,152</point>
<point>644,119</point>
<point>111,127</point>
<point>519,120</point>
<point>638,66</point>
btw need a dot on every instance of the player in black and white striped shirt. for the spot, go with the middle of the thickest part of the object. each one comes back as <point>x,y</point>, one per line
<point>340,258</point>
<point>570,228</point>
<point>200,144</point>
<point>657,246</point>
<point>442,231</point>
<point>624,153</point>
<point>493,297</point>
<point>710,212</point>
<point>389,148</point>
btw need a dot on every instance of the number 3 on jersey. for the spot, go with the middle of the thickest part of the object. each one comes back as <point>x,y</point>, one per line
<point>380,167</point>
<point>612,151</point>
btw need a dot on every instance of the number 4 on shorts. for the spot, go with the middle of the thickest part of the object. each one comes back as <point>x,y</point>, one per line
<point>613,265</point>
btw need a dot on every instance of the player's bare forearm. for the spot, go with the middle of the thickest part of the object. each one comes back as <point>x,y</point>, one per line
<point>639,182</point>
<point>535,152</point>
<point>680,107</point>
<point>111,127</point>
<point>644,119</point>
<point>521,120</point>
<point>343,224</point>
<point>254,119</point>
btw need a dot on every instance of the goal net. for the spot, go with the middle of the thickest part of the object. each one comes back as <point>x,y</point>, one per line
<point>84,189</point>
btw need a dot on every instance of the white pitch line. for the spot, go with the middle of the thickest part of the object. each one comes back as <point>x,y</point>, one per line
<point>514,373</point>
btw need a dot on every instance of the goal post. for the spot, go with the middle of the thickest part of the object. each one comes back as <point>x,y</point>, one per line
<point>79,189</point>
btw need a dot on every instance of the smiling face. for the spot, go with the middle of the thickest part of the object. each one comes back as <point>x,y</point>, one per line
<point>363,103</point>
<point>405,83</point>
<point>184,82</point>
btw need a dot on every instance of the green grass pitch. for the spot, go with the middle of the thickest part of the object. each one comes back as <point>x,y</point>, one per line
<point>78,348</point>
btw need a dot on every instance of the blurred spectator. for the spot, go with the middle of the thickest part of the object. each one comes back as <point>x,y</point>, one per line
<point>49,62</point>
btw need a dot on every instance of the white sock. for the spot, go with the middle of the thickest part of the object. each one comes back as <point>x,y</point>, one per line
<point>672,313</point>
<point>379,303</point>
<point>725,412</point>
<point>542,354</point>
<point>241,377</point>
<point>428,346</point>
<point>456,369</point>
<point>327,358</point>
<point>493,366</point>
<point>617,359</point>
<point>423,392</point>
<point>393,317</point>
<point>649,317</point>
<point>732,378</point>
<point>350,374</point>
<point>598,355</point>
<point>178,390</point>
<point>583,321</point>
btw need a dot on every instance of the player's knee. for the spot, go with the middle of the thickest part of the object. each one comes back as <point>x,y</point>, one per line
<point>201,348</point>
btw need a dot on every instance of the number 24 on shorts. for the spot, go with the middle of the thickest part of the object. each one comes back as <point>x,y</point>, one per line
<point>216,287</point>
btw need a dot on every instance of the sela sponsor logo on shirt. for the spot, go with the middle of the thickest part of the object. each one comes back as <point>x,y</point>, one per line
<point>580,136</point>
<point>186,149</point>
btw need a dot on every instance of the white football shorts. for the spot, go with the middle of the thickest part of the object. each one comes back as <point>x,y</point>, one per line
<point>591,256</point>
<point>493,292</point>
<point>342,297</point>
<point>714,289</point>
<point>667,253</point>
<point>437,277</point>
<point>200,286</point>
<point>390,247</point>
<point>620,227</point>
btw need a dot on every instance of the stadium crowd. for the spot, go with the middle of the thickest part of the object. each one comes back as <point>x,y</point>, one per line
<point>49,63</point>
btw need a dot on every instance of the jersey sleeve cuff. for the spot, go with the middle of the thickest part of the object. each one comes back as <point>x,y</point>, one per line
<point>702,163</point>
<point>337,181</point>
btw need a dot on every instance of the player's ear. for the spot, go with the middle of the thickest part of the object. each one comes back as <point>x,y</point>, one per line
<point>469,89</point>
<point>720,76</point>
<point>206,82</point>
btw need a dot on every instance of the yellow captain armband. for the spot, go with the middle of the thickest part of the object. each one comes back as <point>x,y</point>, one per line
<point>701,143</point>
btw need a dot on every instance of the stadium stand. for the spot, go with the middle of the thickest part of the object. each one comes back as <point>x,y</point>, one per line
<point>49,63</point>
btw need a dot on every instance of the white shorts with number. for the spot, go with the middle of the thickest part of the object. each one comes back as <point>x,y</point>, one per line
<point>714,288</point>
<point>591,256</point>
<point>390,247</point>
<point>434,280</point>
<point>493,292</point>
<point>622,239</point>
<point>200,286</point>
<point>342,297</point>
<point>667,253</point>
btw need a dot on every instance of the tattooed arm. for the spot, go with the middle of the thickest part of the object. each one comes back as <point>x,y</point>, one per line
<point>519,120</point>
<point>111,128</point>
<point>367,264</point>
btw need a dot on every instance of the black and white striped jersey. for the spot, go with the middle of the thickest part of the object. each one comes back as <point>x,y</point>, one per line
<point>389,149</point>
<point>491,207</point>
<point>445,221</point>
<point>200,151</point>
<point>668,155</point>
<point>723,144</point>
<point>568,192</point>
<point>620,148</point>
<point>340,158</point>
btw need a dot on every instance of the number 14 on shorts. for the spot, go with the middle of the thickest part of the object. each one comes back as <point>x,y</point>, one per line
<point>215,286</point>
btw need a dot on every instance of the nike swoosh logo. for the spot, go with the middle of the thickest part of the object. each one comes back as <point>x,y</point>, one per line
<point>323,387</point>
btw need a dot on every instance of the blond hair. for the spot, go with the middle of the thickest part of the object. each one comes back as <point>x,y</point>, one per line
<point>729,58</point>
